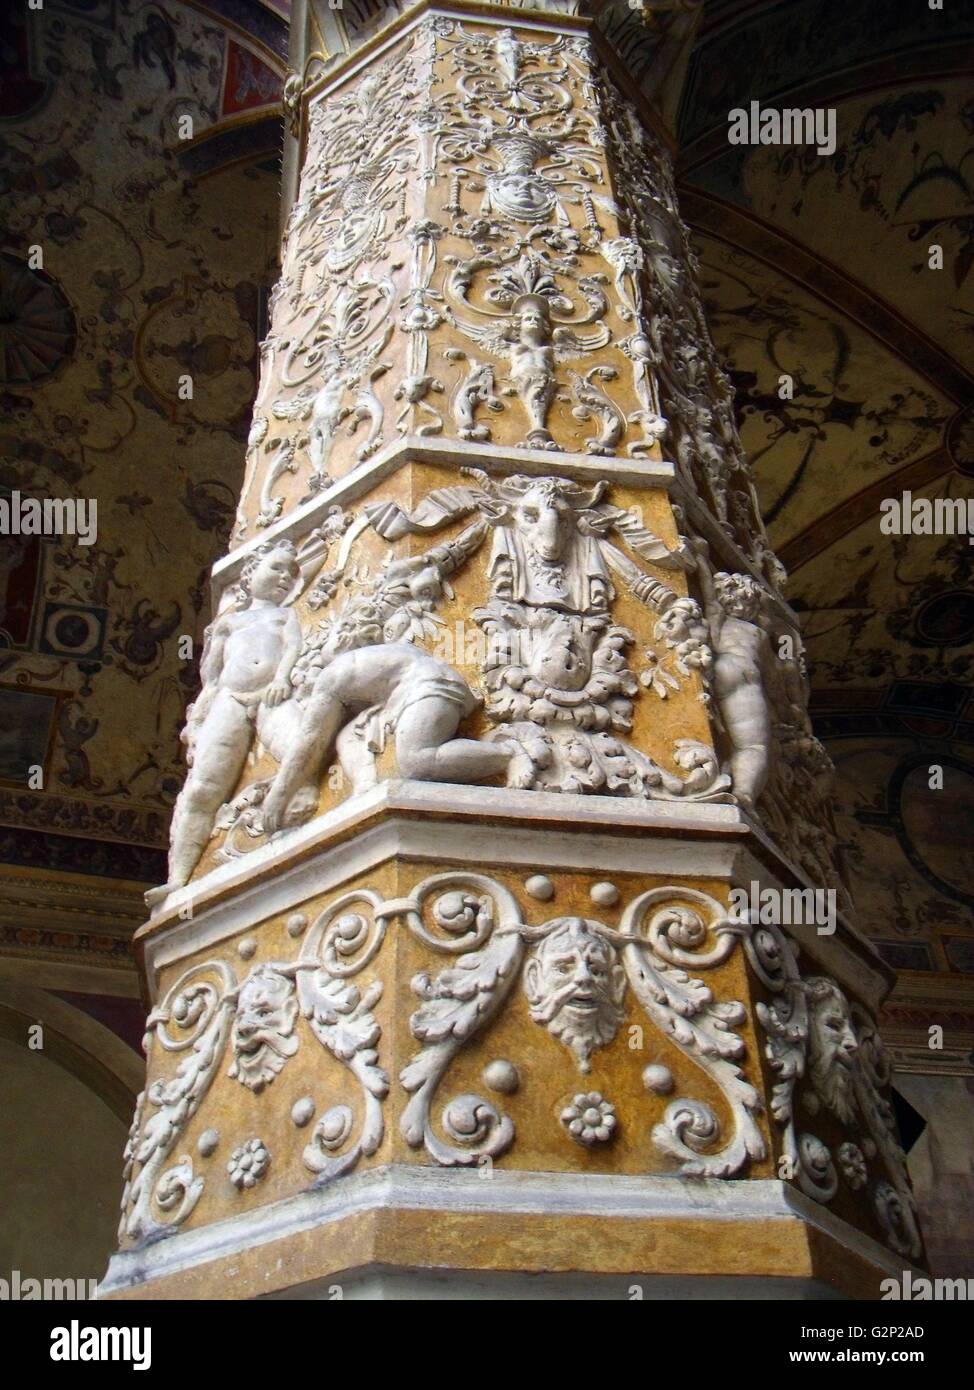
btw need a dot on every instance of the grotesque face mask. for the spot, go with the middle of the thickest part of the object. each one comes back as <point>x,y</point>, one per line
<point>575,985</point>
<point>262,1036</point>
<point>832,1047</point>
<point>561,657</point>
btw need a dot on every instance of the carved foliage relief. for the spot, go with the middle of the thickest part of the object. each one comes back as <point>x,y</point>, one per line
<point>486,634</point>
<point>401,993</point>
<point>486,247</point>
<point>468,1019</point>
<point>526,630</point>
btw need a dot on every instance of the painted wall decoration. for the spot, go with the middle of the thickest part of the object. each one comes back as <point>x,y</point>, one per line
<point>27,722</point>
<point>913,864</point>
<point>856,413</point>
<point>898,182</point>
<point>818,267</point>
<point>152,272</point>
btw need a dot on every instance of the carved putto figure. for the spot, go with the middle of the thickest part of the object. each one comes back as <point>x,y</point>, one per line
<point>743,674</point>
<point>529,339</point>
<point>247,661</point>
<point>325,411</point>
<point>559,685</point>
<point>376,690</point>
<point>555,669</point>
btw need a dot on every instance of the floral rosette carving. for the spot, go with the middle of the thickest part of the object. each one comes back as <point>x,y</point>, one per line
<point>575,979</point>
<point>207,1010</point>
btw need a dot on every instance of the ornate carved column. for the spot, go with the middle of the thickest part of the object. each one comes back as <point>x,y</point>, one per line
<point>501,705</point>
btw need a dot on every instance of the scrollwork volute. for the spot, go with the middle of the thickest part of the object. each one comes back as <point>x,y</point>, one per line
<point>207,1010</point>
<point>507,249</point>
<point>476,922</point>
<point>483,219</point>
<point>663,939</point>
<point>575,978</point>
<point>337,946</point>
<point>192,1020</point>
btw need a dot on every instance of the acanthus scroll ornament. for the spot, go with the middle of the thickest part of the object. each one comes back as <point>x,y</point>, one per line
<point>477,921</point>
<point>663,937</point>
<point>206,1009</point>
<point>575,980</point>
<point>339,944</point>
<point>199,1010</point>
<point>576,974</point>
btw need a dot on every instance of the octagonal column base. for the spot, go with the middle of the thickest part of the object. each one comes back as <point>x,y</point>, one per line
<point>403,1232</point>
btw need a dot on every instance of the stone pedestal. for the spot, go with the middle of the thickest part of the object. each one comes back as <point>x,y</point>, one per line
<point>504,935</point>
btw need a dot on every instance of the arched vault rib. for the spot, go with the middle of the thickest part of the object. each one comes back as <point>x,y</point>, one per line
<point>934,64</point>
<point>756,238</point>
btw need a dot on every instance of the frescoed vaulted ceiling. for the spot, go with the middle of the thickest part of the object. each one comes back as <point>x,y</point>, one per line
<point>819,267</point>
<point>159,253</point>
<point>159,240</point>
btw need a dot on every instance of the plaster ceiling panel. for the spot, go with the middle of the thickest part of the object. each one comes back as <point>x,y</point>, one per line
<point>858,413</point>
<point>901,180</point>
<point>878,607</point>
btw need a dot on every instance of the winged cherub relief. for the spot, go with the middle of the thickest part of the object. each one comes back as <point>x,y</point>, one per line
<point>529,338</point>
